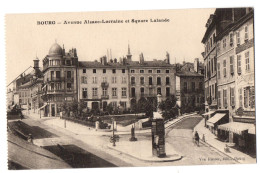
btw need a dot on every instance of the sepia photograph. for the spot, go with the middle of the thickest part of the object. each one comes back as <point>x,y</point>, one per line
<point>136,88</point>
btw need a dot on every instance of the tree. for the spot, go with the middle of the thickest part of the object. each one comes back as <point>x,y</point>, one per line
<point>82,107</point>
<point>169,108</point>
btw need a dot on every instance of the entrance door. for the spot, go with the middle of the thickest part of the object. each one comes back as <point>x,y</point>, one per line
<point>95,105</point>
<point>53,110</point>
<point>104,106</point>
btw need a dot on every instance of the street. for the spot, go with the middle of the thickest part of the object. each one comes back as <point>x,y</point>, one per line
<point>89,150</point>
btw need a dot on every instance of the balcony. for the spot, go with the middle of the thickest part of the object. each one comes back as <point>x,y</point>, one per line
<point>104,96</point>
<point>132,83</point>
<point>69,79</point>
<point>104,84</point>
<point>55,79</point>
<point>57,91</point>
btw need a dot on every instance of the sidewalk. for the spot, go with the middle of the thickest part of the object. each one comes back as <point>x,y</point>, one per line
<point>100,139</point>
<point>144,151</point>
<point>212,141</point>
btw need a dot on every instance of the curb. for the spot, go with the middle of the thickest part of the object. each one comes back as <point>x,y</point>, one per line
<point>146,160</point>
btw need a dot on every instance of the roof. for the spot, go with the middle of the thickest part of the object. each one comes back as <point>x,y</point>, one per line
<point>96,64</point>
<point>188,74</point>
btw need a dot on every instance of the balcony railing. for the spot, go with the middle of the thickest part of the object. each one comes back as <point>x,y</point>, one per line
<point>54,79</point>
<point>104,96</point>
<point>104,84</point>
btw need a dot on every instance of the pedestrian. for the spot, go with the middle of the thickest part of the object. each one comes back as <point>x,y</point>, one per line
<point>21,115</point>
<point>197,138</point>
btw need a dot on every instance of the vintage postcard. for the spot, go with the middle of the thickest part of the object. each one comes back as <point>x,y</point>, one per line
<point>130,88</point>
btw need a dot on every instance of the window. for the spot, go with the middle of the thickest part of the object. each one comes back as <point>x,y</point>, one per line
<point>68,74</point>
<point>224,43</point>
<point>239,70</point>
<point>238,37</point>
<point>192,86</point>
<point>167,80</point>
<point>252,96</point>
<point>52,75</point>
<point>94,92</point>
<point>200,85</point>
<point>84,93</point>
<point>158,71</point>
<point>52,86</point>
<point>114,104</point>
<point>132,71</point>
<point>57,74</point>
<point>113,70</point>
<point>218,46</point>
<point>218,70</point>
<point>240,97</point>
<point>159,91</point>
<point>150,71</point>
<point>104,70</point>
<point>84,70</point>
<point>231,58</point>
<point>114,92</point>
<point>114,79</point>
<point>150,80</point>
<point>123,70</point>
<point>104,92</point>
<point>225,98</point>
<point>68,62</point>
<point>104,79</point>
<point>94,70</point>
<point>69,86</point>
<point>132,80</point>
<point>123,92</point>
<point>231,39</point>
<point>142,92</point>
<point>232,97</point>
<point>167,91</point>
<point>224,68</point>
<point>219,99</point>
<point>247,61</point>
<point>142,80</point>
<point>150,91</point>
<point>141,71</point>
<point>246,33</point>
<point>123,80</point>
<point>167,71</point>
<point>133,92</point>
<point>158,81</point>
<point>210,41</point>
<point>185,87</point>
<point>84,80</point>
<point>94,80</point>
<point>246,97</point>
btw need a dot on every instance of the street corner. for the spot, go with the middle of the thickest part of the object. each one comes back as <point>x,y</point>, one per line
<point>142,150</point>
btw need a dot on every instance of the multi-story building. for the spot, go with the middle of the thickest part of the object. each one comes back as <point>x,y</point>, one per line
<point>234,43</point>
<point>210,59</point>
<point>190,86</point>
<point>147,79</point>
<point>102,83</point>
<point>239,97</point>
<point>60,78</point>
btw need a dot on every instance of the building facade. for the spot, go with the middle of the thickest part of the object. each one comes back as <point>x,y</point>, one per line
<point>60,79</point>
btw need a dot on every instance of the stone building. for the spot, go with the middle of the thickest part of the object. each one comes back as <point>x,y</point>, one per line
<point>190,87</point>
<point>102,83</point>
<point>60,79</point>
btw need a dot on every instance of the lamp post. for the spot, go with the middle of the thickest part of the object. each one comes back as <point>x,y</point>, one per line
<point>114,141</point>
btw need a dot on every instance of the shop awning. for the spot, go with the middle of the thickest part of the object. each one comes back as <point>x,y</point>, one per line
<point>215,119</point>
<point>236,127</point>
<point>208,113</point>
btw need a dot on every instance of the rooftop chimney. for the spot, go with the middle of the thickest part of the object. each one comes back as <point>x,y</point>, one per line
<point>141,58</point>
<point>167,58</point>
<point>196,65</point>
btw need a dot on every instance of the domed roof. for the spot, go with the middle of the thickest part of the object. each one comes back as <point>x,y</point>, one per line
<point>55,49</point>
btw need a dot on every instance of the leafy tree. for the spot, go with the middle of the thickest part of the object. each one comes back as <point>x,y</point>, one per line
<point>169,108</point>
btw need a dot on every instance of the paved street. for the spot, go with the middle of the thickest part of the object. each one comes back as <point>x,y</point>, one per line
<point>180,137</point>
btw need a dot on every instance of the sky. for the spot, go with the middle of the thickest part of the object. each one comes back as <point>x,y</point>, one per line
<point>181,36</point>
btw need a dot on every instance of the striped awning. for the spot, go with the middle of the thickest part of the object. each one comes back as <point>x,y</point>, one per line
<point>212,121</point>
<point>236,127</point>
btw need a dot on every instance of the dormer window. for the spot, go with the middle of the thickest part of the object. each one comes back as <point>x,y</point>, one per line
<point>246,33</point>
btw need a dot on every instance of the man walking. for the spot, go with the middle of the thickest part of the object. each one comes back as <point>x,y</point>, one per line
<point>197,138</point>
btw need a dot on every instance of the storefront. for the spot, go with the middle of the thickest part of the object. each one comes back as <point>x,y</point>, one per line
<point>217,119</point>
<point>207,116</point>
<point>243,134</point>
